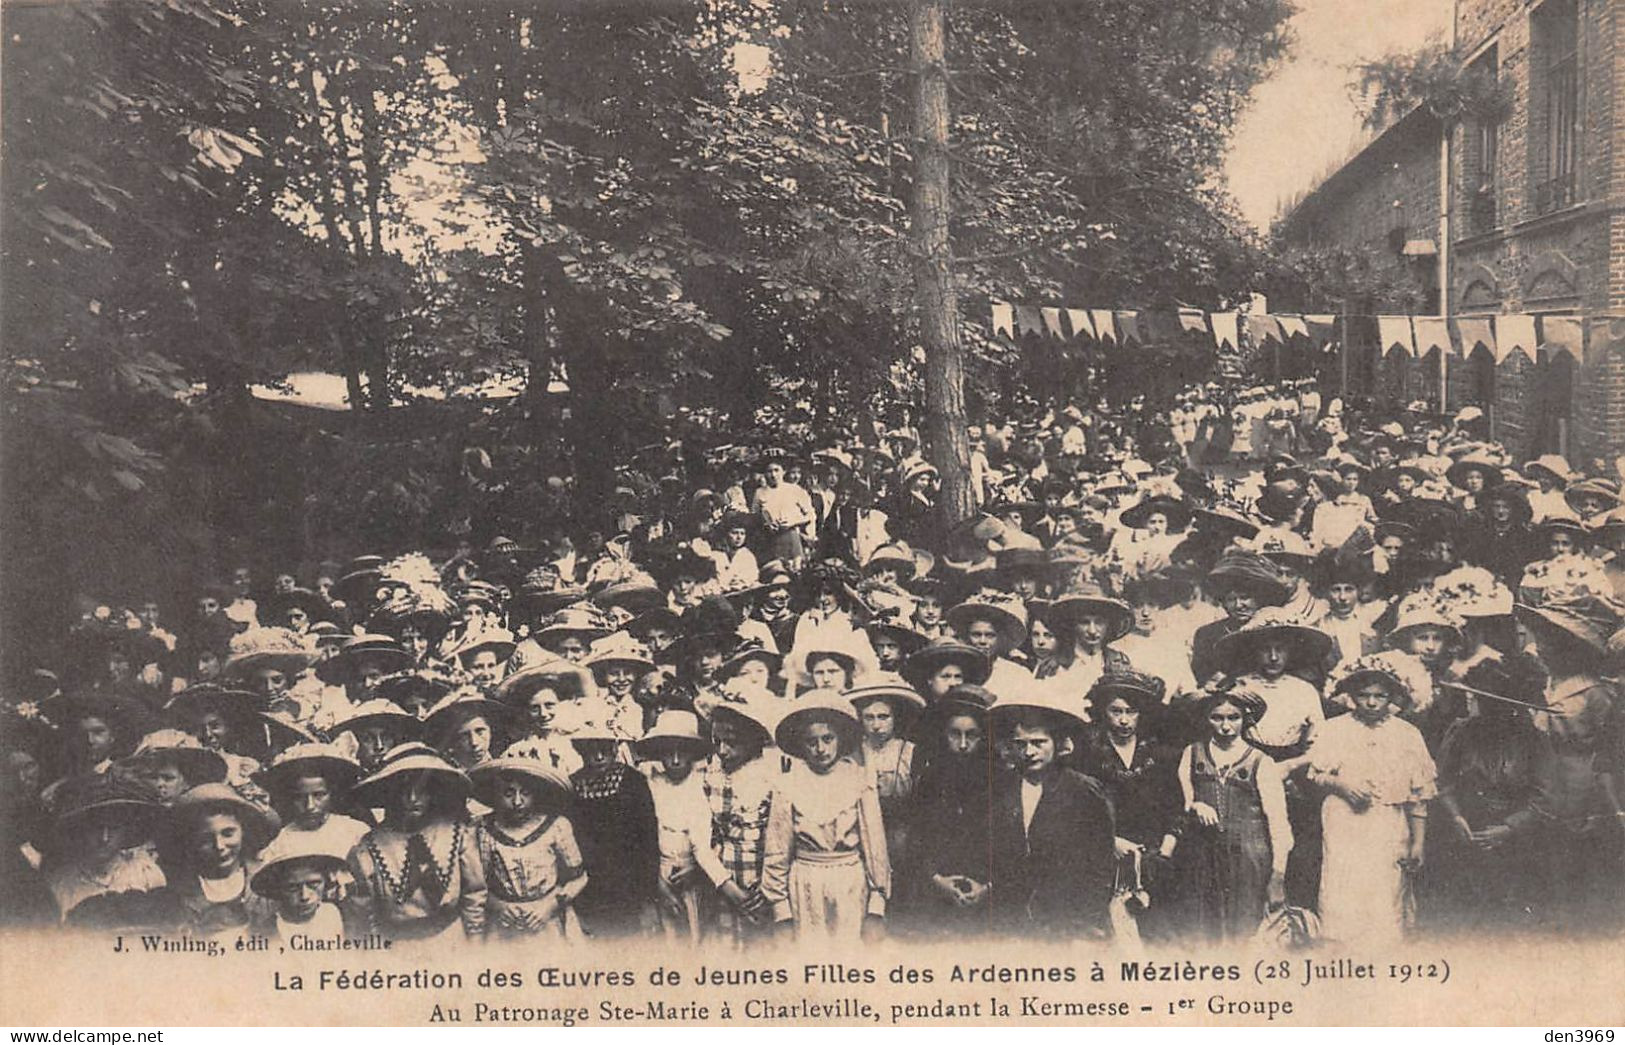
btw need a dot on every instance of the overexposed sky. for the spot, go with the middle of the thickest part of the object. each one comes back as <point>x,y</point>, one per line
<point>1304,121</point>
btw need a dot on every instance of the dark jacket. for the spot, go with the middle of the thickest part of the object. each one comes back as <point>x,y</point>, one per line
<point>1056,879</point>
<point>1145,795</point>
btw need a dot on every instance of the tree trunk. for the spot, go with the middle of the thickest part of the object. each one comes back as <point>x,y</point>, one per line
<point>937,296</point>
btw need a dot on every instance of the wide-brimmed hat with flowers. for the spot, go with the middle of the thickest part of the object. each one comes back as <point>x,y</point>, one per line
<point>259,648</point>
<point>619,649</point>
<point>1174,509</point>
<point>582,620</point>
<point>1586,614</point>
<point>1005,611</point>
<point>1252,572</point>
<point>1307,646</point>
<point>1407,679</point>
<point>499,641</point>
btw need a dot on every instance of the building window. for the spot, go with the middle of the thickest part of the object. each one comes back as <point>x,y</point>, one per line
<point>1483,154</point>
<point>1556,65</point>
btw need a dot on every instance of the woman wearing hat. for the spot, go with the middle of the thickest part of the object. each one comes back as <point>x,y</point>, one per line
<point>214,834</point>
<point>170,762</point>
<point>1378,779</point>
<point>1580,801</point>
<point>533,868</point>
<point>1153,528</point>
<point>467,727</point>
<point>1497,535</point>
<point>783,509</point>
<point>619,836</point>
<point>1122,754</point>
<point>1426,627</point>
<point>375,726</point>
<point>994,623</point>
<point>1242,582</point>
<point>299,876</point>
<point>1232,850</point>
<point>1483,849</point>
<point>736,566</point>
<point>943,884</point>
<point>97,864</point>
<point>825,872</point>
<point>690,869</point>
<point>224,721</point>
<point>1553,474</point>
<point>1270,656</point>
<point>618,663</point>
<point>940,665</point>
<point>1091,620</point>
<point>1473,474</point>
<point>308,785</point>
<point>1591,498</point>
<point>886,707</point>
<point>419,875</point>
<point>1051,828</point>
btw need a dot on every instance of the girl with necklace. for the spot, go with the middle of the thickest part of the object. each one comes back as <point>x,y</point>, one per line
<point>533,867</point>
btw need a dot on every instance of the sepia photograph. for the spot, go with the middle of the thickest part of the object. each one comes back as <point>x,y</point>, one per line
<point>783,513</point>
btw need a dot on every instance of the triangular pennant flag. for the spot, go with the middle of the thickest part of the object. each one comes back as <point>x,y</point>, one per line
<point>1105,326</point>
<point>1471,333</point>
<point>1128,327</point>
<point>1193,320</point>
<point>1432,332</point>
<point>1515,333</point>
<point>1291,325</point>
<point>1027,321</point>
<point>1395,332</point>
<point>1004,319</point>
<point>1262,328</point>
<point>1322,328</point>
<point>1563,334</point>
<point>1225,334</point>
<point>1052,322</point>
<point>1079,319</point>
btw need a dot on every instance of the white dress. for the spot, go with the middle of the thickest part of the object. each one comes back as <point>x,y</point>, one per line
<point>1364,895</point>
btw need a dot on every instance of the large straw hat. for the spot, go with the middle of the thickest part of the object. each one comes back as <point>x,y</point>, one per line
<point>1089,599</point>
<point>560,676</point>
<point>1554,465</point>
<point>325,760</point>
<point>1479,461</point>
<point>1307,646</point>
<point>341,667</point>
<point>1007,613</point>
<point>1143,692</point>
<point>1177,512</point>
<point>673,728</point>
<point>581,620</point>
<point>1424,609</point>
<point>379,712</point>
<point>294,849</point>
<point>259,648</point>
<point>1048,702</point>
<point>259,825</point>
<point>1604,489</point>
<point>410,758</point>
<point>888,686</point>
<point>1588,616</point>
<point>818,706</point>
<point>930,658</point>
<point>105,796</point>
<point>498,640</point>
<point>620,649</point>
<point>485,778</point>
<point>197,764</point>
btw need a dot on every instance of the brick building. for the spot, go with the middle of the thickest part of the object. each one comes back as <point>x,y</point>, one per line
<point>1531,220</point>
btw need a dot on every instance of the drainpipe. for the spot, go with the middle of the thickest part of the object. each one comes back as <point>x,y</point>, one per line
<point>1444,237</point>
